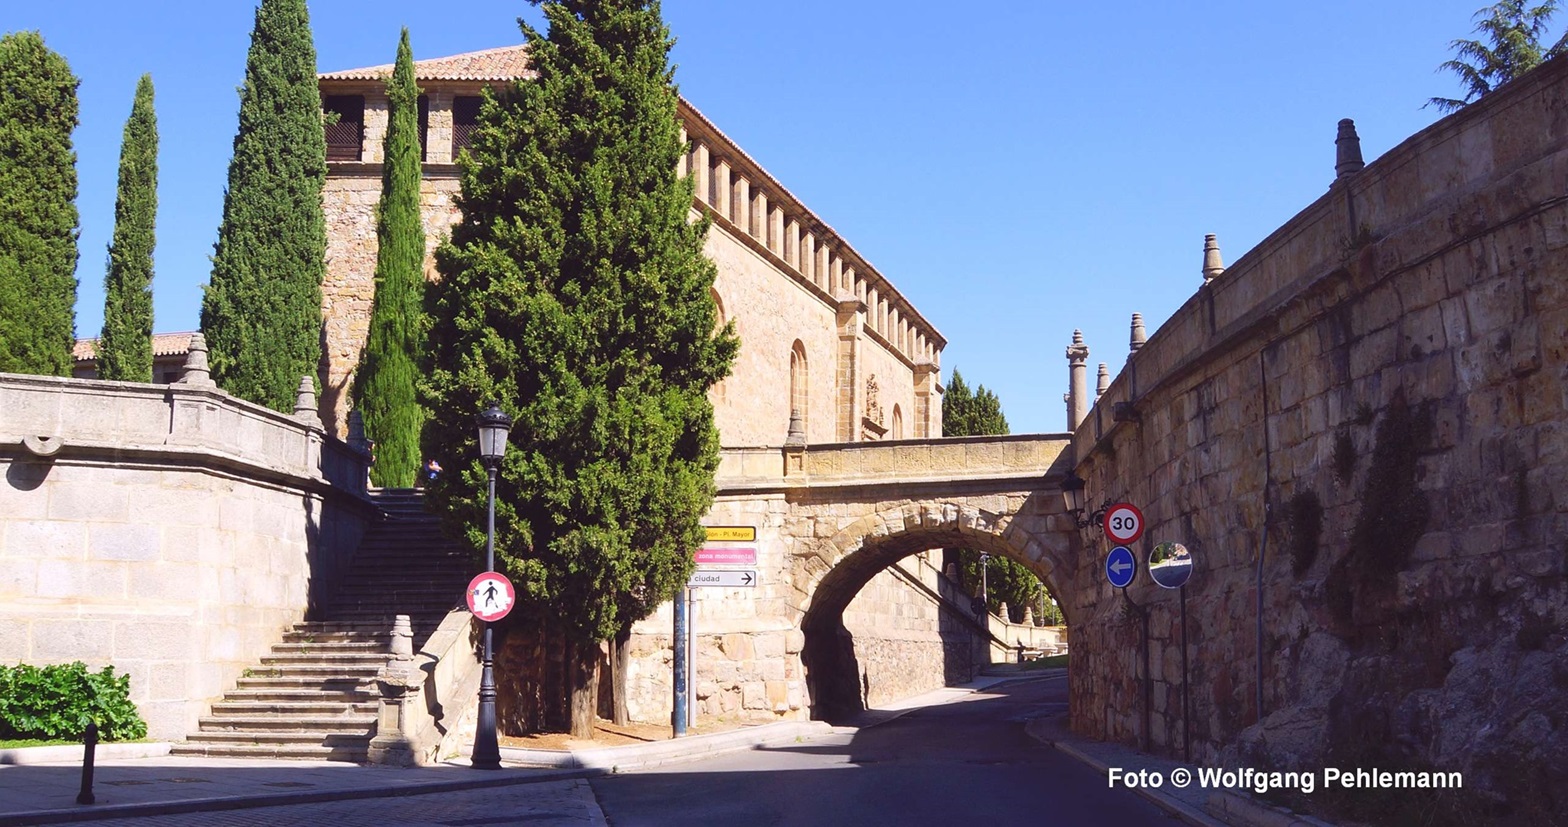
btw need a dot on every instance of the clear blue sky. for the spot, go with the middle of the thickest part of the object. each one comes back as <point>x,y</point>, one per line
<point>1017,169</point>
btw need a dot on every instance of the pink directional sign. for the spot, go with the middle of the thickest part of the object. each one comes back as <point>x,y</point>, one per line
<point>727,556</point>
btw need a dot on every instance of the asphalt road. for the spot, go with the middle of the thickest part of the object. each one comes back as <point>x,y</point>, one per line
<point>962,763</point>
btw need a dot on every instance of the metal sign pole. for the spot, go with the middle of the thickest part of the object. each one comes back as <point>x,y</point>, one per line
<point>691,657</point>
<point>678,715</point>
<point>1186,726</point>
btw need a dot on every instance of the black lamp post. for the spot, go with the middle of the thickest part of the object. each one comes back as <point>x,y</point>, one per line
<point>1074,502</point>
<point>494,425</point>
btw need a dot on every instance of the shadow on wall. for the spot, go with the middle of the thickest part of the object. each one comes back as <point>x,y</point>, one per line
<point>25,474</point>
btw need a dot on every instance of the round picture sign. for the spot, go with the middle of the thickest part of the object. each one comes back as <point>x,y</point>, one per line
<point>1170,564</point>
<point>490,596</point>
<point>1123,523</point>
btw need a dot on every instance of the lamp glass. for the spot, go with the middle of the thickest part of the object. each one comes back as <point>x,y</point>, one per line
<point>1072,494</point>
<point>494,425</point>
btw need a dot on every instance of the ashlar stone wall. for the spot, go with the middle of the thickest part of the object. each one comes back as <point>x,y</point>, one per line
<point>173,532</point>
<point>1359,431</point>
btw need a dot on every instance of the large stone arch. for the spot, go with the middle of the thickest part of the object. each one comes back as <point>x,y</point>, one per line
<point>829,572</point>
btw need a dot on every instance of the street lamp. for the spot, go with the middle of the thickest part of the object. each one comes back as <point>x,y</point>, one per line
<point>494,425</point>
<point>1074,502</point>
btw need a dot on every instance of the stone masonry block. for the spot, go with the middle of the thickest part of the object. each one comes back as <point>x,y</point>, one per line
<point>60,640</point>
<point>131,542</point>
<point>152,640</point>
<point>46,538</point>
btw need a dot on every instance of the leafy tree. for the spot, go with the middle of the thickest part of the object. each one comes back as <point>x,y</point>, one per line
<point>1512,35</point>
<point>979,413</point>
<point>38,218</point>
<point>262,309</point>
<point>125,348</point>
<point>384,385</point>
<point>574,291</point>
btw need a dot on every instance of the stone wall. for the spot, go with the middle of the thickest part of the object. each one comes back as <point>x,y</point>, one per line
<point>1365,417</point>
<point>174,534</point>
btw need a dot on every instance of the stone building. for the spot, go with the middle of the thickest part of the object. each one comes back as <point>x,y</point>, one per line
<point>821,331</point>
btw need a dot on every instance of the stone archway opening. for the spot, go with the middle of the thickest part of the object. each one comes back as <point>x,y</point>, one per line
<point>839,676</point>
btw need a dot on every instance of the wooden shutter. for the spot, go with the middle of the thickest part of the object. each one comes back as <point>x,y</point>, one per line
<point>465,119</point>
<point>346,127</point>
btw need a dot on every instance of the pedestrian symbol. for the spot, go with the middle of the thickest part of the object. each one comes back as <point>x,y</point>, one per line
<point>490,596</point>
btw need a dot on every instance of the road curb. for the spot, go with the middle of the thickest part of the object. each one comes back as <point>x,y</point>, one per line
<point>201,805</point>
<point>1180,809</point>
<point>635,756</point>
<point>67,753</point>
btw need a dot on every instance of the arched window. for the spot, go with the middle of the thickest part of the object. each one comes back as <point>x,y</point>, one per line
<point>799,381</point>
<point>898,423</point>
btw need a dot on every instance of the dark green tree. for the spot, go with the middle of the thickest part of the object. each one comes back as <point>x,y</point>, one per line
<point>979,413</point>
<point>384,385</point>
<point>1510,45</point>
<point>38,218</point>
<point>574,291</point>
<point>262,309</point>
<point>125,347</point>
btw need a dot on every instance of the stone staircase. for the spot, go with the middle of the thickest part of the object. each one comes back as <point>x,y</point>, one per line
<point>314,696</point>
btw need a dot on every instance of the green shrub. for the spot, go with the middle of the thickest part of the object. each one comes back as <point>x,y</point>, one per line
<point>59,701</point>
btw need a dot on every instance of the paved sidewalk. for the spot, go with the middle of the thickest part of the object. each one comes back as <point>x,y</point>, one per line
<point>45,793</point>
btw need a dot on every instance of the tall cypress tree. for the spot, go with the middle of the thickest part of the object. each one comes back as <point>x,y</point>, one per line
<point>38,218</point>
<point>384,391</point>
<point>574,291</point>
<point>262,310</point>
<point>125,348</point>
<point>979,413</point>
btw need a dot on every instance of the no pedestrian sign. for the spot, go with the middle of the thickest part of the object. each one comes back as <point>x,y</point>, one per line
<point>490,596</point>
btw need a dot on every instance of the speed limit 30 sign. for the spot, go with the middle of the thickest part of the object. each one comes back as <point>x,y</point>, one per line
<point>1123,523</point>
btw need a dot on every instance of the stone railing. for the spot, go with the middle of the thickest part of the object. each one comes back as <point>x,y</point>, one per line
<point>429,698</point>
<point>759,211</point>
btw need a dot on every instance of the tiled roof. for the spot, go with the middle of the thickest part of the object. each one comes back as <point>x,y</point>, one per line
<point>163,344</point>
<point>502,63</point>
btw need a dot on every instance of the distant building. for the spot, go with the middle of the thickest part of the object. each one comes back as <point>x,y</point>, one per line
<point>168,356</point>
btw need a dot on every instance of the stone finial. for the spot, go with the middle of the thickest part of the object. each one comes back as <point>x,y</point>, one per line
<point>1001,612</point>
<point>1347,150</point>
<point>305,399</point>
<point>1077,352</point>
<point>356,432</point>
<point>1028,616</point>
<point>195,371</point>
<point>1139,335</point>
<point>1102,381</point>
<point>797,431</point>
<point>1212,266</point>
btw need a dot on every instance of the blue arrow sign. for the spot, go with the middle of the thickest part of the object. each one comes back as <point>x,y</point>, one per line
<point>1120,566</point>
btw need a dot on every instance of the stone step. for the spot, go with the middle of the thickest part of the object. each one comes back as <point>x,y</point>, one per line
<point>267,725</point>
<point>325,657</point>
<point>329,683</point>
<point>294,709</point>
<point>301,695</point>
<point>300,752</point>
<point>311,669</point>
<point>342,646</point>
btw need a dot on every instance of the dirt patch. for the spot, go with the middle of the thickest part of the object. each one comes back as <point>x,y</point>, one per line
<point>607,734</point>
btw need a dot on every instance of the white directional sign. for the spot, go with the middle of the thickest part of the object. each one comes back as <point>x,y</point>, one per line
<point>1120,566</point>
<point>1123,523</point>
<point>735,579</point>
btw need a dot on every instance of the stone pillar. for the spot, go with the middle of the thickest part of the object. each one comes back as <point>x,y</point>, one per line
<point>1347,150</point>
<point>758,226</point>
<point>195,373</point>
<point>1138,334</point>
<point>1212,266</point>
<point>391,744</point>
<point>1077,381</point>
<point>808,258</point>
<point>701,167</point>
<point>928,400</point>
<point>851,317</point>
<point>721,190</point>
<point>1102,382</point>
<point>792,244</point>
<point>776,231</point>
<point>740,204</point>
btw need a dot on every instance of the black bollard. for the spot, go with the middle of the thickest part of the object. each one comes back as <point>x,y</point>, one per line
<point>89,743</point>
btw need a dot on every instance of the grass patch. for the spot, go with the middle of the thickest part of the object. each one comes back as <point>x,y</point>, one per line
<point>18,743</point>
<point>1052,662</point>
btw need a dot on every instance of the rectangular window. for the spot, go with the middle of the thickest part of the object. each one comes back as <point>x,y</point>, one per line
<point>424,128</point>
<point>465,119</point>
<point>345,117</point>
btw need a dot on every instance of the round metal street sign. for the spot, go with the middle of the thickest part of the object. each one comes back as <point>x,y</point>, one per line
<point>1170,564</point>
<point>1120,566</point>
<point>1123,523</point>
<point>490,596</point>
